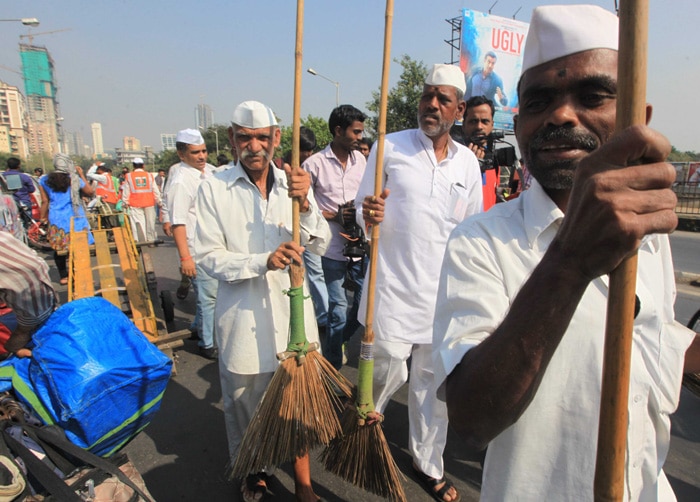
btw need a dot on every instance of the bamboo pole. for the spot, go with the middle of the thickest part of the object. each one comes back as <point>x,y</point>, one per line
<point>631,110</point>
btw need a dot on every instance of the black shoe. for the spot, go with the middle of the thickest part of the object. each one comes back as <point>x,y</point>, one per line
<point>182,291</point>
<point>212,353</point>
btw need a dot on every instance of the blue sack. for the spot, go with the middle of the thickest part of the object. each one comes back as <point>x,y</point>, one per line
<point>92,373</point>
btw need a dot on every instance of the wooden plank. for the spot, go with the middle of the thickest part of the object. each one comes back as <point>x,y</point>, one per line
<point>105,266</point>
<point>81,266</point>
<point>142,313</point>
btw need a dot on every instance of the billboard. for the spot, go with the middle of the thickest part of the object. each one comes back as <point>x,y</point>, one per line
<point>491,49</point>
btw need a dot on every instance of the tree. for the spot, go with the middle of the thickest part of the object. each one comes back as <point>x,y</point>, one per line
<point>678,156</point>
<point>402,102</point>
<point>318,125</point>
<point>210,139</point>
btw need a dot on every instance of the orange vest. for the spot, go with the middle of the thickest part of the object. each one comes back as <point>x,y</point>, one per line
<point>140,189</point>
<point>490,181</point>
<point>106,190</point>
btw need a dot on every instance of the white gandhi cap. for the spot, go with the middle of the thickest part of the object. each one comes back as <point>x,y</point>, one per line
<point>253,115</point>
<point>561,30</point>
<point>190,137</point>
<point>446,74</point>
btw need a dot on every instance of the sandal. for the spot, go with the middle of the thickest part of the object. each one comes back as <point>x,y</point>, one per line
<point>429,485</point>
<point>254,487</point>
<point>63,281</point>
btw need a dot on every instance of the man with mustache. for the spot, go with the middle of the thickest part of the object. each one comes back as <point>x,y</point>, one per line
<point>520,323</point>
<point>181,190</point>
<point>430,183</point>
<point>244,225</point>
<point>336,172</point>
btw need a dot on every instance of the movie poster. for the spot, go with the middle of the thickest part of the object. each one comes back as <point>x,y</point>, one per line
<point>491,58</point>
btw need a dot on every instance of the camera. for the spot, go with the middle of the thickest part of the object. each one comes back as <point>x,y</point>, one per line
<point>355,243</point>
<point>494,157</point>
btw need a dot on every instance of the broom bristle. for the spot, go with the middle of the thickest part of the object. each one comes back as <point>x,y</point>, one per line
<point>298,412</point>
<point>362,457</point>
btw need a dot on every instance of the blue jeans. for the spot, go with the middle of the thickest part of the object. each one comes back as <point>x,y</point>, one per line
<point>205,288</point>
<point>317,287</point>
<point>341,322</point>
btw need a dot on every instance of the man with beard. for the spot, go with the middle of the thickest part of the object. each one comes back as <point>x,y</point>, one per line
<point>434,183</point>
<point>520,323</point>
<point>336,172</point>
<point>476,127</point>
<point>244,225</point>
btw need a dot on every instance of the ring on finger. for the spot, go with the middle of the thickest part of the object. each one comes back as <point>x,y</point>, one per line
<point>371,213</point>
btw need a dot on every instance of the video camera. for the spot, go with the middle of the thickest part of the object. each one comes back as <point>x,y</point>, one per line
<point>356,245</point>
<point>494,157</point>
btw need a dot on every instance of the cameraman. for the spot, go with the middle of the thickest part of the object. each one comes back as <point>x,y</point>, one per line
<point>336,172</point>
<point>476,128</point>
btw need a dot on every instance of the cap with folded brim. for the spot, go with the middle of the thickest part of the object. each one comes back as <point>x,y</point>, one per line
<point>561,30</point>
<point>190,137</point>
<point>253,115</point>
<point>137,160</point>
<point>446,74</point>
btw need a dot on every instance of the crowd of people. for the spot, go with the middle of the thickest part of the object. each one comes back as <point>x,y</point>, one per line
<point>499,307</point>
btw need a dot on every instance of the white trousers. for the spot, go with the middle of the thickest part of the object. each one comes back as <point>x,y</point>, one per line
<point>241,394</point>
<point>143,223</point>
<point>427,415</point>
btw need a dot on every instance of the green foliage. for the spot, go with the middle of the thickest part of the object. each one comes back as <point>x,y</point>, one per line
<point>318,125</point>
<point>678,156</point>
<point>402,100</point>
<point>210,139</point>
<point>166,158</point>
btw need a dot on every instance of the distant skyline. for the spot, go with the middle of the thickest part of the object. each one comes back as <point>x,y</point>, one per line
<point>141,68</point>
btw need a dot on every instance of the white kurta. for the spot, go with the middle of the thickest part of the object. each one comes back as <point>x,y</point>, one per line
<point>180,194</point>
<point>549,453</point>
<point>426,202</point>
<point>236,232</point>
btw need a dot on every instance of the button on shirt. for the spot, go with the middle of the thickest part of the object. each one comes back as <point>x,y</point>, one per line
<point>549,453</point>
<point>236,232</point>
<point>334,186</point>
<point>426,202</point>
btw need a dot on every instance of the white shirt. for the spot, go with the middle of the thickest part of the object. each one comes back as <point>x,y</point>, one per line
<point>426,202</point>
<point>549,453</point>
<point>181,191</point>
<point>236,232</point>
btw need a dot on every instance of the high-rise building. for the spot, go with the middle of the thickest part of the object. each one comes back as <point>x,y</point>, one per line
<point>131,144</point>
<point>203,116</point>
<point>42,104</point>
<point>13,122</point>
<point>167,141</point>
<point>98,148</point>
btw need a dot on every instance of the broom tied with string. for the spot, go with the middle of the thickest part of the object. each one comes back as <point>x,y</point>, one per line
<point>361,455</point>
<point>299,409</point>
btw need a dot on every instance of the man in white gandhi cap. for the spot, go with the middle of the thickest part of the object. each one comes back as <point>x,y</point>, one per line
<point>520,323</point>
<point>244,239</point>
<point>430,183</point>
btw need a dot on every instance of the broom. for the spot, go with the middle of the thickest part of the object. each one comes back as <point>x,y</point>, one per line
<point>299,410</point>
<point>361,455</point>
<point>612,431</point>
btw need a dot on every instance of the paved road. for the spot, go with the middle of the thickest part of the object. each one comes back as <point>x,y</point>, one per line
<point>182,454</point>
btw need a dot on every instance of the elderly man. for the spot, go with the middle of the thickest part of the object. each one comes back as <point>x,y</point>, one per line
<point>244,220</point>
<point>181,191</point>
<point>434,183</point>
<point>521,307</point>
<point>141,195</point>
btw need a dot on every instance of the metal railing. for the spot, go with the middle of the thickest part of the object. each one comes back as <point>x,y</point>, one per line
<point>688,194</point>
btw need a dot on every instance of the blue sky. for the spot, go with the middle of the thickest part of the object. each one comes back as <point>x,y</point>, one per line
<point>139,67</point>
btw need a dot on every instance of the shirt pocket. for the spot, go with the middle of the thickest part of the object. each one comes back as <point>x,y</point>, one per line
<point>457,203</point>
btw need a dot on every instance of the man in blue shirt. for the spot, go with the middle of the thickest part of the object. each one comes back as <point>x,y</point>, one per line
<point>483,81</point>
<point>19,183</point>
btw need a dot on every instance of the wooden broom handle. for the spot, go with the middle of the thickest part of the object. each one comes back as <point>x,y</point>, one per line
<point>296,270</point>
<point>631,110</point>
<point>368,336</point>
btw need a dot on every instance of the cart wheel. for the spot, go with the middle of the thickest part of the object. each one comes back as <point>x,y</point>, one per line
<point>166,301</point>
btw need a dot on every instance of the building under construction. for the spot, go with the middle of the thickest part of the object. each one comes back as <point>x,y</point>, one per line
<point>42,106</point>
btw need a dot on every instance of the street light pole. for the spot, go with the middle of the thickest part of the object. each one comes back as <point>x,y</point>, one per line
<point>334,82</point>
<point>216,136</point>
<point>26,21</point>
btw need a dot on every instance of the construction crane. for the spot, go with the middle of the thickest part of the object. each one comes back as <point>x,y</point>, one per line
<point>30,36</point>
